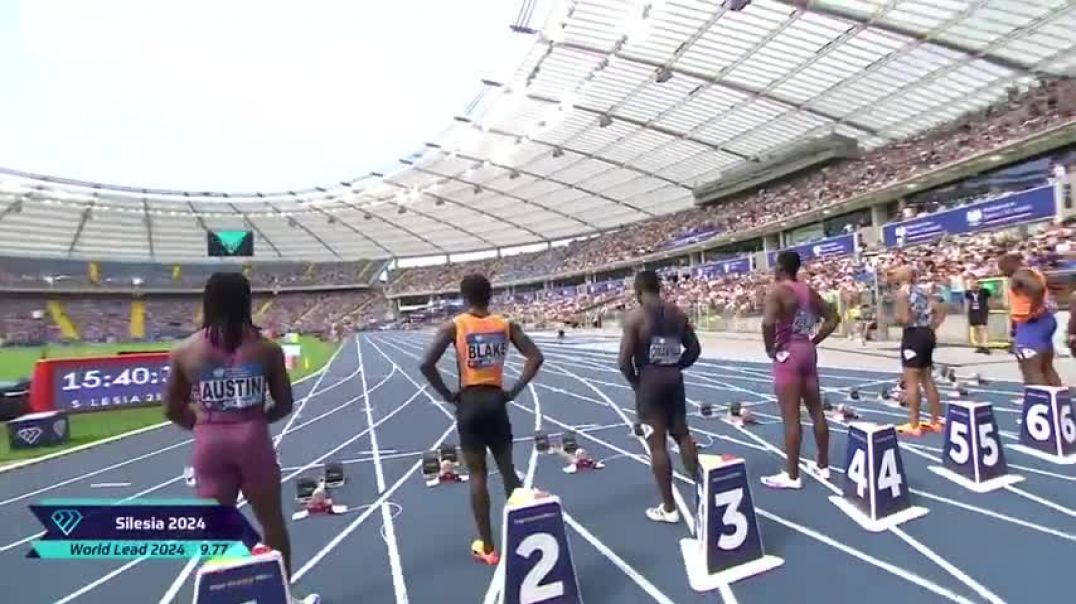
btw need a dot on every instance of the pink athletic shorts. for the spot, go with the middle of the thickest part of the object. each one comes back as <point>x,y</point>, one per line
<point>230,457</point>
<point>796,363</point>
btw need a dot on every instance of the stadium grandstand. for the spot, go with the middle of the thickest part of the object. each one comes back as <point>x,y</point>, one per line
<point>695,138</point>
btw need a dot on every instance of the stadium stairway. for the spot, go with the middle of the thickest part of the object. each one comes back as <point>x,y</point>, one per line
<point>138,319</point>
<point>60,318</point>
<point>264,308</point>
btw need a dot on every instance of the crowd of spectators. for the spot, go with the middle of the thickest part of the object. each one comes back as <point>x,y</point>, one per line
<point>1047,105</point>
<point>35,273</point>
<point>26,320</point>
<point>945,264</point>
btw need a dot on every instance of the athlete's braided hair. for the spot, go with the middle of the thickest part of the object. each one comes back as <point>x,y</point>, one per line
<point>226,313</point>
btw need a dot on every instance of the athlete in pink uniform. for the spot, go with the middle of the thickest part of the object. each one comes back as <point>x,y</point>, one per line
<point>217,387</point>
<point>791,313</point>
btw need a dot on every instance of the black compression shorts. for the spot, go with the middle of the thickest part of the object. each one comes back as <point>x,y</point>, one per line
<point>482,419</point>
<point>976,319</point>
<point>660,399</point>
<point>917,347</point>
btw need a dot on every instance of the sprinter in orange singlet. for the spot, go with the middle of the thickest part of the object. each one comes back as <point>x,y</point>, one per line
<point>481,341</point>
<point>1033,321</point>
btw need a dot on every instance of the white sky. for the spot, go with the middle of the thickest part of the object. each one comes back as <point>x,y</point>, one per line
<point>239,95</point>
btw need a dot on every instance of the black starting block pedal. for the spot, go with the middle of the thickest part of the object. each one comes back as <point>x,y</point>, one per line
<point>706,410</point>
<point>450,453</point>
<point>541,442</point>
<point>569,444</point>
<point>741,416</point>
<point>436,469</point>
<point>304,488</point>
<point>960,390</point>
<point>637,429</point>
<point>853,393</point>
<point>826,405</point>
<point>842,413</point>
<point>950,375</point>
<point>334,474</point>
<point>431,467</point>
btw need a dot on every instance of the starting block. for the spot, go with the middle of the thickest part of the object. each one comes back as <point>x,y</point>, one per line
<point>875,486</point>
<point>259,578</point>
<point>538,564</point>
<point>334,474</point>
<point>441,466</point>
<point>728,544</point>
<point>740,416</point>
<point>579,459</point>
<point>304,488</point>
<point>706,410</point>
<point>1048,425</point>
<point>319,503</point>
<point>188,476</point>
<point>973,456</point>
<point>841,413</point>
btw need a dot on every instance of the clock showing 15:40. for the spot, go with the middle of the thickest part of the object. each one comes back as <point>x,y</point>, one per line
<point>108,382</point>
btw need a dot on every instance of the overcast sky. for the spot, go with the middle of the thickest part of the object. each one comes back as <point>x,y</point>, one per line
<point>239,95</point>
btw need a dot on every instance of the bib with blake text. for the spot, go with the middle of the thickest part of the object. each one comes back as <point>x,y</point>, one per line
<point>486,349</point>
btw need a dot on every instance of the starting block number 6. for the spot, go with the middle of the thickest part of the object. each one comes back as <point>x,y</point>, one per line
<point>532,591</point>
<point>1038,423</point>
<point>733,517</point>
<point>888,476</point>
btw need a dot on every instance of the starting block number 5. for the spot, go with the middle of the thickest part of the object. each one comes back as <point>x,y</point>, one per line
<point>960,452</point>
<point>531,590</point>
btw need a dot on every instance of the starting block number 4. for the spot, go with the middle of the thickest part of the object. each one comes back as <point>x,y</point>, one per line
<point>1048,429</point>
<point>538,567</point>
<point>728,546</point>
<point>973,457</point>
<point>875,489</point>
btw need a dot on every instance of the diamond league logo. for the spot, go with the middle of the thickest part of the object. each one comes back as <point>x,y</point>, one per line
<point>59,426</point>
<point>66,520</point>
<point>30,435</point>
<point>974,216</point>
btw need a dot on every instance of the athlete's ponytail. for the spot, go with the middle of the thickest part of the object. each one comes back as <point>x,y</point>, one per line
<point>226,313</point>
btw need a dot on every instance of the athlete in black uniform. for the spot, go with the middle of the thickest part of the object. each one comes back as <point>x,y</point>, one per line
<point>481,341</point>
<point>658,344</point>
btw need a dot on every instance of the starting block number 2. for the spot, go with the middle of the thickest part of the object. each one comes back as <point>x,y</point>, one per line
<point>539,568</point>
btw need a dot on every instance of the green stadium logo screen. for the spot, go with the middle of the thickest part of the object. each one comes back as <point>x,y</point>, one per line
<point>230,243</point>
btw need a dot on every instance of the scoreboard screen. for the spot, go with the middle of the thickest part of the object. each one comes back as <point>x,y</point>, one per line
<point>76,385</point>
<point>230,243</point>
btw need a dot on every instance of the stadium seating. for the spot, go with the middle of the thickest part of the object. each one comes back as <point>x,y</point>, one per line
<point>1039,109</point>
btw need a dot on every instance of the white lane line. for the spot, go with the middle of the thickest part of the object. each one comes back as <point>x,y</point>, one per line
<point>283,479</point>
<point>109,485</point>
<point>601,547</point>
<point>188,568</point>
<point>82,447</point>
<point>93,473</point>
<point>493,592</point>
<point>624,567</point>
<point>380,502</point>
<point>895,570</point>
<point>930,554</point>
<point>399,586</point>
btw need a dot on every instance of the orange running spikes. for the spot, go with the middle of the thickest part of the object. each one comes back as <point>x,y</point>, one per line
<point>910,430</point>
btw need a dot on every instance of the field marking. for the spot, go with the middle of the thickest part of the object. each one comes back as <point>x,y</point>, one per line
<point>399,585</point>
<point>930,554</point>
<point>166,449</point>
<point>283,480</point>
<point>104,441</point>
<point>601,547</point>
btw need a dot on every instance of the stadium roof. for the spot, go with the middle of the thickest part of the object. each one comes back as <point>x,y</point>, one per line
<point>618,110</point>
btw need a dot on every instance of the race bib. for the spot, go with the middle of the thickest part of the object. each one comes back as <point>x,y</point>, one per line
<point>486,349</point>
<point>227,388</point>
<point>664,351</point>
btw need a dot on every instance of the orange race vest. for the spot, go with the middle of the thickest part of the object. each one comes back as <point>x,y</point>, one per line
<point>1020,306</point>
<point>481,348</point>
